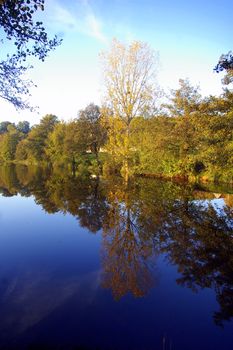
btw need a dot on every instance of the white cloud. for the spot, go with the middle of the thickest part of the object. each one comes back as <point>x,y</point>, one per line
<point>80,18</point>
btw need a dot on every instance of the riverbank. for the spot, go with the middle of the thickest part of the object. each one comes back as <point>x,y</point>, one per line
<point>202,180</point>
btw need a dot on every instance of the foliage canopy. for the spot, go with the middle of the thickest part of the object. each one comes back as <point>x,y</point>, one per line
<point>29,38</point>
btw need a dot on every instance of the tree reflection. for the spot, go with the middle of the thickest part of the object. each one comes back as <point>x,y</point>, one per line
<point>138,222</point>
<point>198,237</point>
<point>9,184</point>
<point>80,197</point>
<point>127,253</point>
<point>57,191</point>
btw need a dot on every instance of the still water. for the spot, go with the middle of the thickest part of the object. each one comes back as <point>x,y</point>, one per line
<point>93,264</point>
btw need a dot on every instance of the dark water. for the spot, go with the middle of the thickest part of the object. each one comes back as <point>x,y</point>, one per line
<point>88,264</point>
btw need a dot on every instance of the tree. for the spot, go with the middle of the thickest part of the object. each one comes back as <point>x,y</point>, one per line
<point>29,39</point>
<point>55,143</point>
<point>74,144</point>
<point>3,126</point>
<point>129,75</point>
<point>156,151</point>
<point>185,102</point>
<point>23,126</point>
<point>37,137</point>
<point>225,63</point>
<point>92,129</point>
<point>9,143</point>
<point>22,150</point>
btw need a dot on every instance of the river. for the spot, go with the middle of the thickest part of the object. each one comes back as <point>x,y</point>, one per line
<point>95,264</point>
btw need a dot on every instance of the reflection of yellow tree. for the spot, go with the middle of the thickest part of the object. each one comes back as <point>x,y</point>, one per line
<point>8,181</point>
<point>127,257</point>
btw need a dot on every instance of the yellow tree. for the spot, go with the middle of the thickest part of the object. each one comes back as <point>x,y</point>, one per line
<point>130,86</point>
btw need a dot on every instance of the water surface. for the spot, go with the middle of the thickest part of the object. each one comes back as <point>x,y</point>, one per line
<point>96,264</point>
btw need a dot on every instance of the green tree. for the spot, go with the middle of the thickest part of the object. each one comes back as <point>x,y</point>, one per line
<point>214,136</point>
<point>23,126</point>
<point>37,138</point>
<point>156,152</point>
<point>184,106</point>
<point>9,143</point>
<point>92,128</point>
<point>185,100</point>
<point>74,144</point>
<point>3,126</point>
<point>55,145</point>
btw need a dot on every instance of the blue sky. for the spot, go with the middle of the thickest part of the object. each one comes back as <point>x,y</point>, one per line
<point>188,35</point>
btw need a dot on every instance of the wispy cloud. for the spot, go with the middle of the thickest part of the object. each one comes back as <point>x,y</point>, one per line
<point>95,27</point>
<point>80,18</point>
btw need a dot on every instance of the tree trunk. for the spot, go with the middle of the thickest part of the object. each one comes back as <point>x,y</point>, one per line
<point>126,170</point>
<point>126,165</point>
<point>73,166</point>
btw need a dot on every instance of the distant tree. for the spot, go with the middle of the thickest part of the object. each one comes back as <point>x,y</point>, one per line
<point>9,143</point>
<point>55,143</point>
<point>37,137</point>
<point>92,129</point>
<point>185,100</point>
<point>74,143</point>
<point>3,126</point>
<point>23,126</point>
<point>22,150</point>
<point>129,73</point>
<point>29,39</point>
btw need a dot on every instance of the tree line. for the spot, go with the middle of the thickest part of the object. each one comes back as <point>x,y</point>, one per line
<point>191,137</point>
